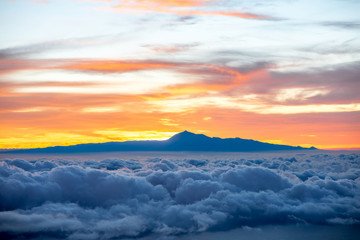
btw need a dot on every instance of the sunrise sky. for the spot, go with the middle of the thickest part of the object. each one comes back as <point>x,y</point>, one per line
<point>80,71</point>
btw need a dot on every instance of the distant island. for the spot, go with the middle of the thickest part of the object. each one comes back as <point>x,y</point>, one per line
<point>184,141</point>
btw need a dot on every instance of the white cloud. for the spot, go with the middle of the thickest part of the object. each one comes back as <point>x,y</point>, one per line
<point>301,94</point>
<point>252,105</point>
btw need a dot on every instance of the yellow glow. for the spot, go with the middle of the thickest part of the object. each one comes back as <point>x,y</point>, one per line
<point>339,146</point>
<point>47,140</point>
<point>120,135</point>
<point>274,141</point>
<point>66,139</point>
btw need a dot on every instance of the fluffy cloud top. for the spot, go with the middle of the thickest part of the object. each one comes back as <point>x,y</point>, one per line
<point>115,198</point>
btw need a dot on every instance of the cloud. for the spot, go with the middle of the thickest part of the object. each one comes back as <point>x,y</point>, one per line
<point>333,85</point>
<point>92,65</point>
<point>116,198</point>
<point>182,8</point>
<point>13,65</point>
<point>343,25</point>
<point>116,66</point>
<point>265,82</point>
<point>172,48</point>
<point>186,78</point>
<point>40,2</point>
<point>256,179</point>
<point>34,49</point>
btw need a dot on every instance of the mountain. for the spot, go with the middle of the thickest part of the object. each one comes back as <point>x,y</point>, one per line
<point>184,141</point>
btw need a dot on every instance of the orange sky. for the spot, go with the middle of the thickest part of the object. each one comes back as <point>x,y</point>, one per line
<point>57,117</point>
<point>132,70</point>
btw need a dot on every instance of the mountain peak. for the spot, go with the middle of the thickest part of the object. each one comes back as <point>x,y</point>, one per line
<point>186,135</point>
<point>186,132</point>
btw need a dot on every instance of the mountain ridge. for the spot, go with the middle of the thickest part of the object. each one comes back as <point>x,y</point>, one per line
<point>183,141</point>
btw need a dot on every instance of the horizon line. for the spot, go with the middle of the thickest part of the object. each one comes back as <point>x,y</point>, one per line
<point>184,131</point>
<point>165,139</point>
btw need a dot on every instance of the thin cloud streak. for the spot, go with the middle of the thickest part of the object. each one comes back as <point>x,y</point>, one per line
<point>116,66</point>
<point>181,8</point>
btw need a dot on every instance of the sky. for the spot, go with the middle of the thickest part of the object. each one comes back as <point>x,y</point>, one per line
<point>80,71</point>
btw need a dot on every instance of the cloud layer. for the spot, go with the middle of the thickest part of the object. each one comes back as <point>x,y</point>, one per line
<point>115,198</point>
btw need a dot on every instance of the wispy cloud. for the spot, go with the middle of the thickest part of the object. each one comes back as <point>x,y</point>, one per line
<point>116,66</point>
<point>14,65</point>
<point>40,2</point>
<point>172,48</point>
<point>179,7</point>
<point>342,24</point>
<point>35,49</point>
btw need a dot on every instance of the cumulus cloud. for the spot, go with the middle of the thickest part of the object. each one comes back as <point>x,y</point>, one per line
<point>117,198</point>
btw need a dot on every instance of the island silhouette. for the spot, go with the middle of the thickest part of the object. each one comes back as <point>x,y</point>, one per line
<point>183,141</point>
